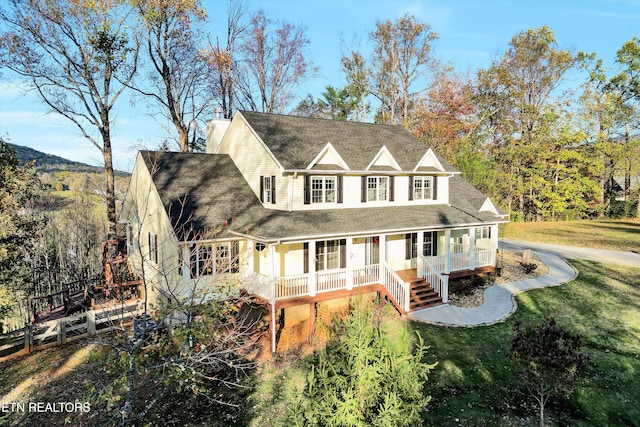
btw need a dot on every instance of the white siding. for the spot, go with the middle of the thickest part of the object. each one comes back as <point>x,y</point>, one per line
<point>253,161</point>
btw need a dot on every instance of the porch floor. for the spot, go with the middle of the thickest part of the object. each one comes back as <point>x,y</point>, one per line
<point>465,273</point>
<point>330,295</point>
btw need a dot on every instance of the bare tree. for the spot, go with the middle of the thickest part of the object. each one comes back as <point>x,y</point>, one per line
<point>181,79</point>
<point>224,59</point>
<point>78,57</point>
<point>211,346</point>
<point>402,56</point>
<point>273,64</point>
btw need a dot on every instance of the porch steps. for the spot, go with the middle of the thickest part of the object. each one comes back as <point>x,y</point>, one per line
<point>422,295</point>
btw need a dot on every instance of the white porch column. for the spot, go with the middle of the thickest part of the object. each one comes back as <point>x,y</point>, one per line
<point>382,243</point>
<point>472,247</point>
<point>494,243</point>
<point>349,273</point>
<point>272,273</point>
<point>420,253</point>
<point>186,269</point>
<point>447,239</point>
<point>312,269</point>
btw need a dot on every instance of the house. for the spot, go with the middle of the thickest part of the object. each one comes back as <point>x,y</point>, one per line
<point>299,211</point>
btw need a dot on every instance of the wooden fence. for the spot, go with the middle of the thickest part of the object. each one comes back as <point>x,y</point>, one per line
<point>61,331</point>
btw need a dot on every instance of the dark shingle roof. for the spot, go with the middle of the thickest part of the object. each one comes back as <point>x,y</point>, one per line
<point>296,141</point>
<point>204,190</point>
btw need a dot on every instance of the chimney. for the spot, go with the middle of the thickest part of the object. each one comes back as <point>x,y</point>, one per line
<point>216,130</point>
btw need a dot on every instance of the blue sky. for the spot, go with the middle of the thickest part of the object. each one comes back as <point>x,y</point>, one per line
<point>472,34</point>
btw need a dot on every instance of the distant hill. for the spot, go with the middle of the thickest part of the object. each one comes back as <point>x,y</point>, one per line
<point>49,163</point>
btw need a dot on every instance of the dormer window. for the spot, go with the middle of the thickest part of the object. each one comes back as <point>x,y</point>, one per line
<point>323,189</point>
<point>422,188</point>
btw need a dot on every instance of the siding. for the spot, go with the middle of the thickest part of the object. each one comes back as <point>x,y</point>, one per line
<point>253,161</point>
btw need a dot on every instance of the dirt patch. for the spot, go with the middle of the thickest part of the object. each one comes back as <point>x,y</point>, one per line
<point>516,266</point>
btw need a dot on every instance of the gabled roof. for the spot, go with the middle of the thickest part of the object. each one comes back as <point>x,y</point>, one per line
<point>296,141</point>
<point>199,190</point>
<point>205,190</point>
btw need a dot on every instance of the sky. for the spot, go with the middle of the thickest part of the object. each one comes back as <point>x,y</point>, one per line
<point>472,33</point>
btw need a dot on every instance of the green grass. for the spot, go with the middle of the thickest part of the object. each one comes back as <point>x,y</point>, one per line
<point>622,235</point>
<point>475,383</point>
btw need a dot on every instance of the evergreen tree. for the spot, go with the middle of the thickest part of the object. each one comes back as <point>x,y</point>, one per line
<point>20,227</point>
<point>372,373</point>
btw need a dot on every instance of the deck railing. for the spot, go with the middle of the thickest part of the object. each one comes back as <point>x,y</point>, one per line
<point>396,287</point>
<point>439,282</point>
<point>479,257</point>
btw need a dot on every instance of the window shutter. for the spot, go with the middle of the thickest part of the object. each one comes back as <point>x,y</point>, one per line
<point>339,184</point>
<point>411,188</point>
<point>363,195</point>
<point>262,188</point>
<point>306,257</point>
<point>273,190</point>
<point>434,239</point>
<point>435,188</point>
<point>407,246</point>
<point>392,187</point>
<point>343,253</point>
<point>307,190</point>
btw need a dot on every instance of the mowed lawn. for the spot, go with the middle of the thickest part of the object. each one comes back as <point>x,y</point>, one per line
<point>621,235</point>
<point>475,383</point>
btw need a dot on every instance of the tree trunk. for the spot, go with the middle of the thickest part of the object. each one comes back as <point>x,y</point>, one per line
<point>108,172</point>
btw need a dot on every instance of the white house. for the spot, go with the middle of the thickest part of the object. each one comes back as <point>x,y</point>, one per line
<point>298,211</point>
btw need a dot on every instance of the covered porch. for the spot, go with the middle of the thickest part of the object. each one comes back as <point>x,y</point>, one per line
<point>397,263</point>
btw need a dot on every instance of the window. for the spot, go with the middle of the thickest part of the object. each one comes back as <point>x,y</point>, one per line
<point>153,247</point>
<point>225,258</point>
<point>377,188</point>
<point>268,189</point>
<point>323,189</point>
<point>429,244</point>
<point>423,188</point>
<point>331,254</point>
<point>411,245</point>
<point>483,233</point>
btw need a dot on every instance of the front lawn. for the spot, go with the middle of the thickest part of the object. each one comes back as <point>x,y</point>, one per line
<point>620,235</point>
<point>475,383</point>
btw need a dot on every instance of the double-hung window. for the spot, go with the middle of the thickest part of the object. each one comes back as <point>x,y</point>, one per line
<point>483,233</point>
<point>201,260</point>
<point>323,189</point>
<point>423,188</point>
<point>268,189</point>
<point>153,248</point>
<point>377,188</point>
<point>227,260</point>
<point>331,254</point>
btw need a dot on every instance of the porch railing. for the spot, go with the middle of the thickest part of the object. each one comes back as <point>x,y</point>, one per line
<point>468,260</point>
<point>397,288</point>
<point>439,282</point>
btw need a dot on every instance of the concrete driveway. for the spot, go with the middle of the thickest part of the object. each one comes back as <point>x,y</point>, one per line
<point>629,259</point>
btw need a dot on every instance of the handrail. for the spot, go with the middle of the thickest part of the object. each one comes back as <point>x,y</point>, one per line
<point>438,281</point>
<point>396,287</point>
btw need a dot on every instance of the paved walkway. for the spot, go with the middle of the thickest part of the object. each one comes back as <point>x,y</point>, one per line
<point>498,299</point>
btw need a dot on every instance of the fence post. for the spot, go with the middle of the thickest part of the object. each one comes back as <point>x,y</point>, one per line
<point>91,323</point>
<point>62,331</point>
<point>28,338</point>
